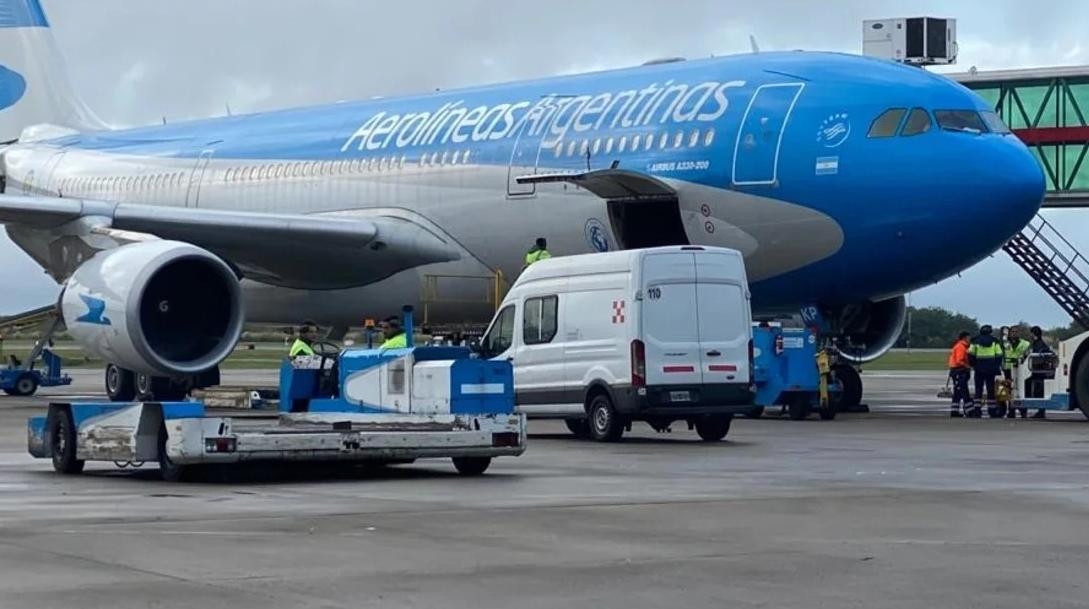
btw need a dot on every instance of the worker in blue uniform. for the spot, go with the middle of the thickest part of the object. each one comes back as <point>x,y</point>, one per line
<point>985,354</point>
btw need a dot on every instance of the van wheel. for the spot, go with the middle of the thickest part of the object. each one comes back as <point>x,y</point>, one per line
<point>579,427</point>
<point>62,440</point>
<point>713,428</point>
<point>605,424</point>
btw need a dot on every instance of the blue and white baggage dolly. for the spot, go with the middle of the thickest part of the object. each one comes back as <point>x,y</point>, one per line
<point>340,405</point>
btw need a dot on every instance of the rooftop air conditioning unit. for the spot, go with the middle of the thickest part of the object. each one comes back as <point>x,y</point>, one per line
<point>919,41</point>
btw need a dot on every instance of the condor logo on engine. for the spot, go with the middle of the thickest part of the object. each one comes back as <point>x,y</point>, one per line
<point>96,309</point>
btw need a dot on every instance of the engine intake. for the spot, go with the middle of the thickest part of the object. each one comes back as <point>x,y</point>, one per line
<point>164,308</point>
<point>870,329</point>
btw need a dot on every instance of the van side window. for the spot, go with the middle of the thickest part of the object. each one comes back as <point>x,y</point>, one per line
<point>539,320</point>
<point>886,124</point>
<point>501,335</point>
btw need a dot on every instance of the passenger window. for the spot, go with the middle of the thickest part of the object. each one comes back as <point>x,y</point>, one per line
<point>465,157</point>
<point>649,142</point>
<point>609,146</point>
<point>918,122</point>
<point>597,146</point>
<point>571,148</point>
<point>886,124</point>
<point>635,143</point>
<point>678,139</point>
<point>501,334</point>
<point>539,320</point>
<point>662,141</point>
<point>694,138</point>
<point>584,148</point>
<point>623,145</point>
<point>709,137</point>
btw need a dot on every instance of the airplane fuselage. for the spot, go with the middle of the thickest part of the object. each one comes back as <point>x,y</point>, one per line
<point>772,154</point>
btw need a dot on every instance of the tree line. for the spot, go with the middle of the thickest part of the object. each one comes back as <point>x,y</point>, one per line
<point>935,327</point>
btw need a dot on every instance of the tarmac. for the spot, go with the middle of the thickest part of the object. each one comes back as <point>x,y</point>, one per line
<point>901,507</point>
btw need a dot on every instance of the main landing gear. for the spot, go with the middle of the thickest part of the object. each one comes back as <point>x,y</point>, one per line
<point>126,386</point>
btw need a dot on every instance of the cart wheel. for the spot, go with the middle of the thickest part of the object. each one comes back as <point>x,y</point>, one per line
<point>798,408</point>
<point>472,466</point>
<point>713,428</point>
<point>828,412</point>
<point>579,427</point>
<point>25,385</point>
<point>62,442</point>
<point>170,471</point>
<point>605,423</point>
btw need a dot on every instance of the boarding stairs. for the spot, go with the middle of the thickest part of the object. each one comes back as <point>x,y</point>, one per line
<point>1055,264</point>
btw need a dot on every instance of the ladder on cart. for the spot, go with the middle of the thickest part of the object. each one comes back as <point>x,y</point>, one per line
<point>1055,264</point>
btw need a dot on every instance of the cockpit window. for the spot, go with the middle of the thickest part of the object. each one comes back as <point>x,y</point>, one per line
<point>967,121</point>
<point>918,122</point>
<point>887,123</point>
<point>994,122</point>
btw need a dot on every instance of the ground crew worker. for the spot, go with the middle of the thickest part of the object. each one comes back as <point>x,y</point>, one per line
<point>1034,386</point>
<point>308,333</point>
<point>538,252</point>
<point>1014,349</point>
<point>959,371</point>
<point>393,333</point>
<point>985,355</point>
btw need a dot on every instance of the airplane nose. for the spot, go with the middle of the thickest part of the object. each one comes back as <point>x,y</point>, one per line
<point>1017,184</point>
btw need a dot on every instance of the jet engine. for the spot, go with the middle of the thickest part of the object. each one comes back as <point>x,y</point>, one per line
<point>866,331</point>
<point>163,308</point>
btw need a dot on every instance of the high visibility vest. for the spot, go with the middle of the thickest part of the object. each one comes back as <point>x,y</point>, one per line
<point>299,348</point>
<point>992,351</point>
<point>397,342</point>
<point>1015,352</point>
<point>536,256</point>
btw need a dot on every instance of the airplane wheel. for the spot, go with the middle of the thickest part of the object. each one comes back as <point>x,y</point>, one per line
<point>62,442</point>
<point>120,384</point>
<point>851,397</point>
<point>157,389</point>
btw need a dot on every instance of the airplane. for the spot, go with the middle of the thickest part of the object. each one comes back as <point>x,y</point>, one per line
<point>845,181</point>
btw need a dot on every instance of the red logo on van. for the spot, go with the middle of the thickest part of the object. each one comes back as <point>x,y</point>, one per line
<point>618,311</point>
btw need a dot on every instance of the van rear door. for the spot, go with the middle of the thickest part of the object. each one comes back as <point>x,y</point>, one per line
<point>724,317</point>
<point>670,319</point>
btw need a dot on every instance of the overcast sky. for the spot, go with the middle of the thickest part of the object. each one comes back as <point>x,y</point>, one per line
<point>135,62</point>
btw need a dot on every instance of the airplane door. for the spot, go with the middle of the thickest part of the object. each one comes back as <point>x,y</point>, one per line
<point>526,154</point>
<point>760,138</point>
<point>192,193</point>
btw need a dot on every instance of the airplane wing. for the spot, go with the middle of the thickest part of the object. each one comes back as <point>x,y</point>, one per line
<point>289,250</point>
<point>612,184</point>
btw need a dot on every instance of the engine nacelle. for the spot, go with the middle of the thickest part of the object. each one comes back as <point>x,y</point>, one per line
<point>164,308</point>
<point>870,329</point>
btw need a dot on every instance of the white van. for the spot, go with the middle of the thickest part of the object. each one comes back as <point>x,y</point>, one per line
<point>656,335</point>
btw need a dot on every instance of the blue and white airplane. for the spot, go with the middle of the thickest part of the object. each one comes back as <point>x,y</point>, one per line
<point>845,182</point>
